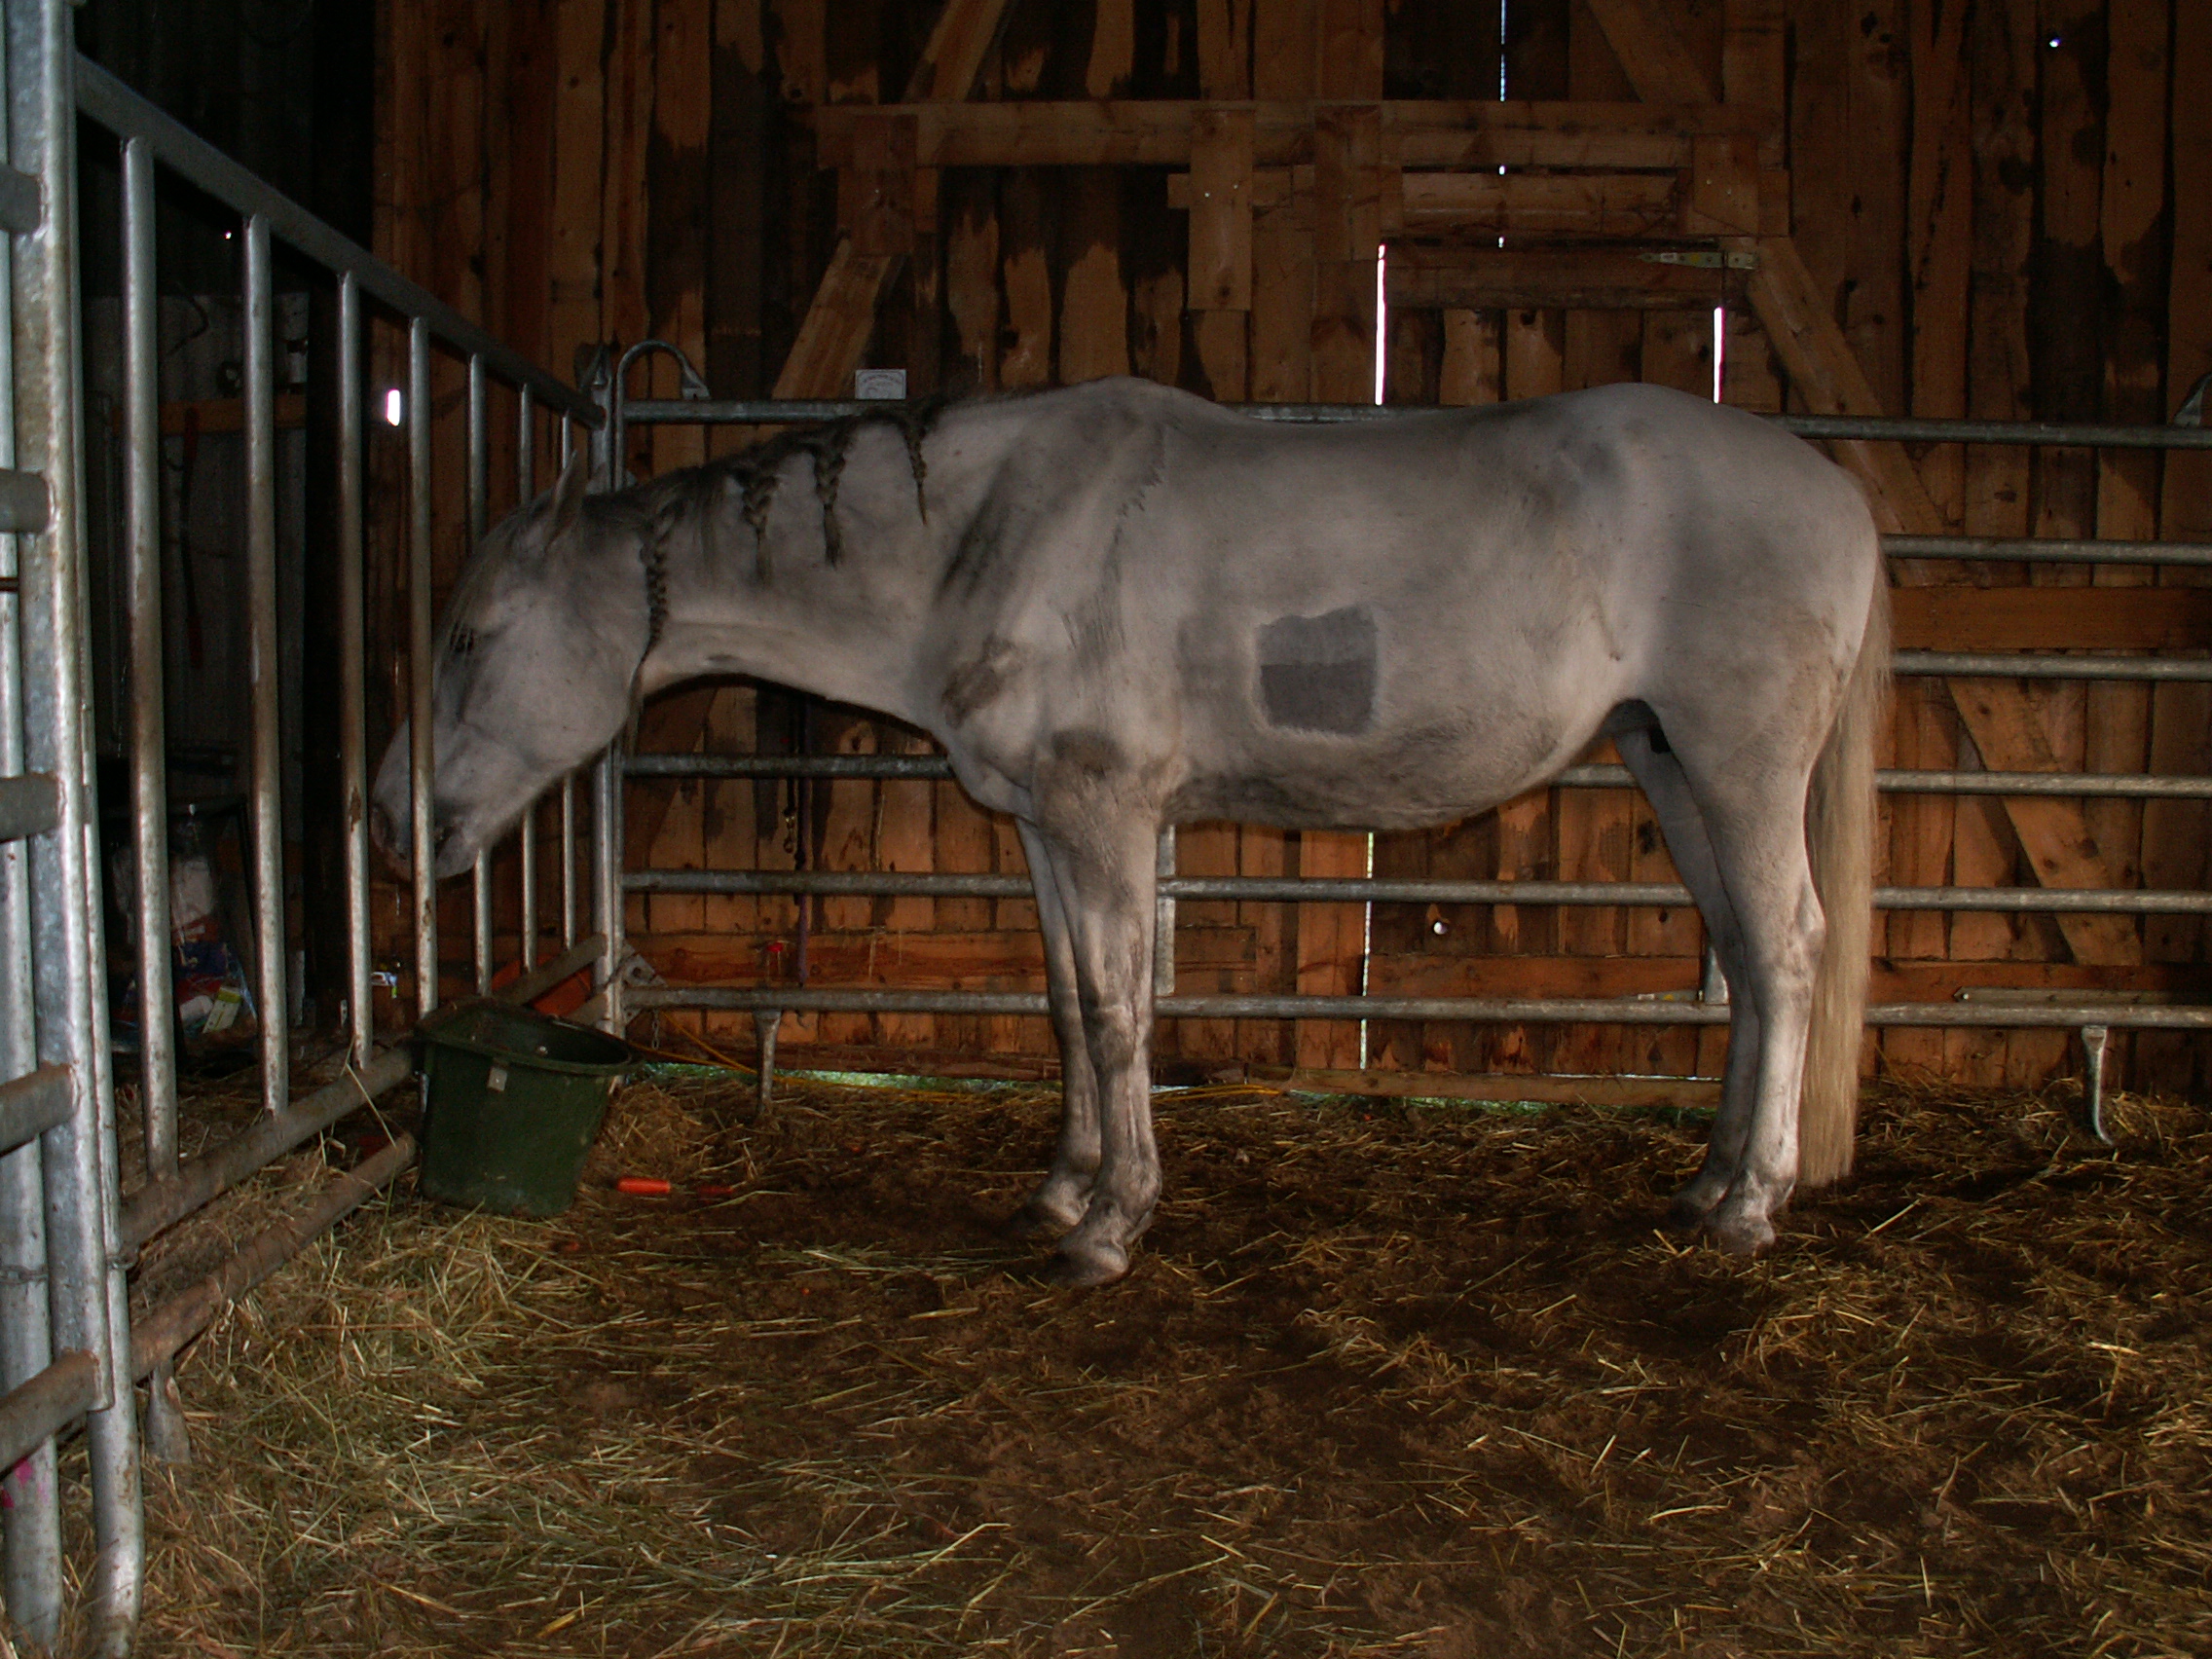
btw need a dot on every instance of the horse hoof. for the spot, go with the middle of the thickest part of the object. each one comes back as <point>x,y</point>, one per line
<point>1687,1213</point>
<point>1741,1234</point>
<point>1086,1272</point>
<point>1034,1221</point>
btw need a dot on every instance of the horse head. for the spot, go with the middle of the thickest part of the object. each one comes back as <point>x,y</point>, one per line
<point>534,675</point>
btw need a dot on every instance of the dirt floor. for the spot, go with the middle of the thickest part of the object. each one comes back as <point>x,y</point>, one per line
<point>1419,1380</point>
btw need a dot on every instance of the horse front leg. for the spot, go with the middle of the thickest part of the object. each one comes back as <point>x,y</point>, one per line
<point>1103,866</point>
<point>1058,1203</point>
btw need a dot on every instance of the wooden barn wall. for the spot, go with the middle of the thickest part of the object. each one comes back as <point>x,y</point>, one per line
<point>2005,206</point>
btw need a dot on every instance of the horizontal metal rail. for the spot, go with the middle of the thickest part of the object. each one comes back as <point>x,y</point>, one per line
<point>123,112</point>
<point>1372,890</point>
<point>32,1104</point>
<point>2141,786</point>
<point>1506,1010</point>
<point>36,1409</point>
<point>167,1328</point>
<point>2046,550</point>
<point>769,412</point>
<point>2022,665</point>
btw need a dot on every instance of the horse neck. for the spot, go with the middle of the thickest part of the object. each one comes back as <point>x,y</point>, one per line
<point>852,629</point>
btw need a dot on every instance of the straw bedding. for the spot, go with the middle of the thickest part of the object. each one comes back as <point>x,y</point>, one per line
<point>1411,1379</point>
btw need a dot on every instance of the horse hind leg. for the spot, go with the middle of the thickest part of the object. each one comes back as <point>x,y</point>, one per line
<point>1060,1198</point>
<point>1757,834</point>
<point>1667,787</point>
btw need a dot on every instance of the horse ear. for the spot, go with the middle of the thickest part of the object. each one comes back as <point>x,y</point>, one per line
<point>569,493</point>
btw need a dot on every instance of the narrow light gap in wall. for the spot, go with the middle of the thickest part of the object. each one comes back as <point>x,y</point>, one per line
<point>1720,348</point>
<point>1382,320</point>
<point>394,406</point>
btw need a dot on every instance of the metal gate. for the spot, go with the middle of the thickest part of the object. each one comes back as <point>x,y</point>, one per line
<point>2091,1018</point>
<point>68,1235</point>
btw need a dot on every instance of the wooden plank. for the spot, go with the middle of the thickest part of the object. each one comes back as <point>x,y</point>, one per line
<point>1284,35</point>
<point>1349,49</point>
<point>1503,278</point>
<point>677,218</point>
<point>1651,54</point>
<point>1224,48</point>
<point>972,274</point>
<point>1220,198</point>
<point>837,325</point>
<point>1420,132</point>
<point>1517,205</point>
<point>2131,221</point>
<point>953,55</point>
<point>2177,837</point>
<point>1754,61</point>
<point>2054,618</point>
<point>1095,318</point>
<point>1471,371</point>
<point>1113,49</point>
<point>875,192</point>
<point>1282,308</point>
<point>1026,359</point>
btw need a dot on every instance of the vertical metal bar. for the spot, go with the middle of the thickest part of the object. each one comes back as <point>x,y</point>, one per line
<point>568,854</point>
<point>87,1296</point>
<point>164,1429</point>
<point>526,487</point>
<point>149,727</point>
<point>2094,1039</point>
<point>479,493</point>
<point>262,670</point>
<point>1163,918</point>
<point>31,1538</point>
<point>421,756</point>
<point>352,669</point>
<point>606,862</point>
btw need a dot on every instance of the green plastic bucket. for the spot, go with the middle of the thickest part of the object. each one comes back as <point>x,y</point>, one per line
<point>514,1098</point>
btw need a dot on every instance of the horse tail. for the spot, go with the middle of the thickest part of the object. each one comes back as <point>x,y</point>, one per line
<point>1840,834</point>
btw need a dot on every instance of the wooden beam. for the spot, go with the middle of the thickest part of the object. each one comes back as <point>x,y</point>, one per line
<point>954,54</point>
<point>1642,205</point>
<point>1479,278</point>
<point>1658,65</point>
<point>2054,618</point>
<point>837,324</point>
<point>1218,190</point>
<point>1419,132</point>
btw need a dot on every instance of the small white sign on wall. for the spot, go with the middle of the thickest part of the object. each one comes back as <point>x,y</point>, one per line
<point>879,382</point>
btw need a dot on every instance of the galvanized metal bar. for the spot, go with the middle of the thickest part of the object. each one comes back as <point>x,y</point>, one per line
<point>608,884</point>
<point>1370,890</point>
<point>568,861</point>
<point>353,672</point>
<point>2139,785</point>
<point>1511,1011</point>
<point>33,1103</point>
<point>88,1295</point>
<point>770,412</point>
<point>30,1541</point>
<point>160,1205</point>
<point>264,674</point>
<point>149,723</point>
<point>479,503</point>
<point>29,805</point>
<point>2047,550</point>
<point>122,111</point>
<point>480,907</point>
<point>1164,916</point>
<point>2094,1039</point>
<point>34,1411</point>
<point>422,768</point>
<point>2020,665</point>
<point>526,491</point>
<point>176,1321</point>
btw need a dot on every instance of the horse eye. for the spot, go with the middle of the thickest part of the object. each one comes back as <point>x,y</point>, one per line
<point>463,641</point>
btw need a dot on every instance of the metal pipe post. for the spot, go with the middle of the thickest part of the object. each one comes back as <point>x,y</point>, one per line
<point>526,487</point>
<point>567,859</point>
<point>263,671</point>
<point>479,493</point>
<point>607,887</point>
<point>30,1575</point>
<point>353,672</point>
<point>88,1296</point>
<point>422,762</point>
<point>149,726</point>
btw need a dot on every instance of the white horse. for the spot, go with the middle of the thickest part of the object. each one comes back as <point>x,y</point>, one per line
<point>1118,605</point>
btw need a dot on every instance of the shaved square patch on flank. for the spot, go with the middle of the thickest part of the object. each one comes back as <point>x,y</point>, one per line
<point>1317,673</point>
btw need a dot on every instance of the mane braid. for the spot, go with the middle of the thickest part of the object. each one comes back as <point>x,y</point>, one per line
<point>756,472</point>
